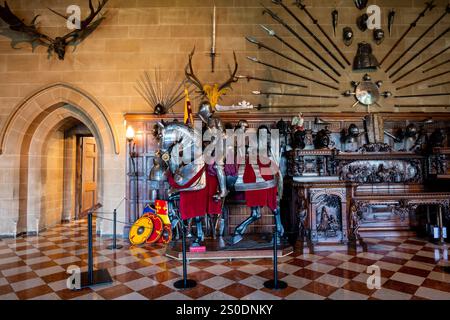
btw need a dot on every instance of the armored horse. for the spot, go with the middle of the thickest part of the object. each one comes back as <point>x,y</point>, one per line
<point>205,187</point>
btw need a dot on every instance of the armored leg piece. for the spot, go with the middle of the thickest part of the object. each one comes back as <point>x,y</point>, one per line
<point>240,230</point>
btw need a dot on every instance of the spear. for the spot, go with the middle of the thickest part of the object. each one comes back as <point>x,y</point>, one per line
<point>284,24</point>
<point>293,95</point>
<point>276,36</point>
<point>291,73</point>
<point>437,66</point>
<point>425,79</point>
<point>301,6</point>
<point>320,43</point>
<point>262,45</point>
<point>439,84</point>
<point>422,64</point>
<point>420,52</point>
<point>260,106</point>
<point>429,6</point>
<point>447,11</point>
<point>425,95</point>
<point>273,81</point>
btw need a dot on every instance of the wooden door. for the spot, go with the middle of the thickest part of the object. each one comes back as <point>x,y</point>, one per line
<point>88,173</point>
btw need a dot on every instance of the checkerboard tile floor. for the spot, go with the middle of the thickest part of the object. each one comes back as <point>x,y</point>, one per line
<point>35,268</point>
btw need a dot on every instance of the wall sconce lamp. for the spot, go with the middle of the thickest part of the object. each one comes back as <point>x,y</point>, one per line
<point>131,135</point>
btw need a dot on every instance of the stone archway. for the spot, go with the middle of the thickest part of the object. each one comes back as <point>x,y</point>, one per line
<point>23,139</point>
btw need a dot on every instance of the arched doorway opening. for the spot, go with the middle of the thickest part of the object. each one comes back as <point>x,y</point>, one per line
<point>38,149</point>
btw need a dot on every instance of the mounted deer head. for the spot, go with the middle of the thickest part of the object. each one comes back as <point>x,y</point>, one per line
<point>211,92</point>
<point>59,44</point>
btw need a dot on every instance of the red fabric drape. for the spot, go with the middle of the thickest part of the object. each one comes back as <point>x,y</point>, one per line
<point>198,203</point>
<point>260,198</point>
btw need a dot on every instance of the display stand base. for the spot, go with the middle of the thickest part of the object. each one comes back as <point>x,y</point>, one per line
<point>252,247</point>
<point>112,247</point>
<point>182,285</point>
<point>100,277</point>
<point>280,285</point>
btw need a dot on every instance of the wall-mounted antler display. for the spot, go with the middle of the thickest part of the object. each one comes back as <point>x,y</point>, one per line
<point>30,34</point>
<point>211,92</point>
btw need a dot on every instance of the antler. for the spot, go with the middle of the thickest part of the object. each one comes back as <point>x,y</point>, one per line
<point>16,24</point>
<point>233,77</point>
<point>190,75</point>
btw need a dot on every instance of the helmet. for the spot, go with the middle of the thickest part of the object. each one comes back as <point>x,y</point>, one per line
<point>348,36</point>
<point>378,35</point>
<point>205,112</point>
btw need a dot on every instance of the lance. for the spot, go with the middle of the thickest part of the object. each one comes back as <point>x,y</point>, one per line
<point>292,14</point>
<point>292,73</point>
<point>273,81</point>
<point>437,66</point>
<point>262,45</point>
<point>425,95</point>
<point>274,34</point>
<point>421,51</point>
<point>294,33</point>
<point>293,95</point>
<point>260,106</point>
<point>425,79</point>
<point>422,64</point>
<point>301,6</point>
<point>439,84</point>
<point>429,6</point>
<point>447,11</point>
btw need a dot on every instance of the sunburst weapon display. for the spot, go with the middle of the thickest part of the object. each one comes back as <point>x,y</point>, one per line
<point>276,36</point>
<point>422,64</point>
<point>447,11</point>
<point>429,6</point>
<point>159,93</point>
<point>291,73</point>
<point>295,34</point>
<point>320,43</point>
<point>262,45</point>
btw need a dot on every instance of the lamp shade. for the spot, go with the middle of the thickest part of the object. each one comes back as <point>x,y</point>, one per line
<point>130,133</point>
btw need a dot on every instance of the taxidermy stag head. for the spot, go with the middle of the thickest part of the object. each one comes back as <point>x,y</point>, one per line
<point>212,93</point>
<point>58,45</point>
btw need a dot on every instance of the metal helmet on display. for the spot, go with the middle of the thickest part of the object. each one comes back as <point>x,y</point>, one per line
<point>348,36</point>
<point>378,36</point>
<point>205,112</point>
<point>365,61</point>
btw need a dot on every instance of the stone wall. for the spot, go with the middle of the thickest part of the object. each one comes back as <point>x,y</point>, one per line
<point>140,35</point>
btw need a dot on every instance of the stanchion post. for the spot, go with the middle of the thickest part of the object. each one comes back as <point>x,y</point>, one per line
<point>114,246</point>
<point>91,277</point>
<point>184,283</point>
<point>90,250</point>
<point>275,284</point>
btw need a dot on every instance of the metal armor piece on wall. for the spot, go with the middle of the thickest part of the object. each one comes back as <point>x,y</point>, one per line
<point>361,4</point>
<point>323,139</point>
<point>348,36</point>
<point>378,36</point>
<point>365,61</point>
<point>361,22</point>
<point>382,171</point>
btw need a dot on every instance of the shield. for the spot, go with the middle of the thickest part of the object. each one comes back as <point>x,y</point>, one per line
<point>158,227</point>
<point>141,231</point>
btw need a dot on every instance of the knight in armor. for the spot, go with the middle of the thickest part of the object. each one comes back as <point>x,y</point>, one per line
<point>214,124</point>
